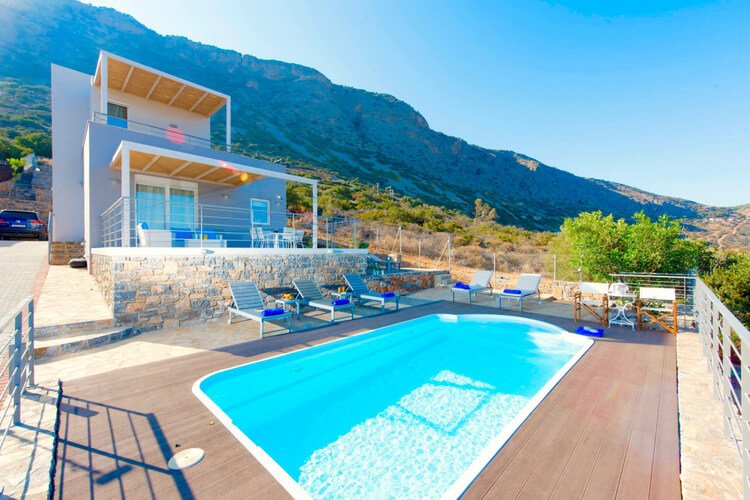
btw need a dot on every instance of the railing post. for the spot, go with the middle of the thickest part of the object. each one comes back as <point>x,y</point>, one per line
<point>554,268</point>
<point>354,233</point>
<point>450,259</point>
<point>32,360</point>
<point>15,382</point>
<point>745,422</point>
<point>726,374</point>
<point>715,372</point>
<point>200,213</point>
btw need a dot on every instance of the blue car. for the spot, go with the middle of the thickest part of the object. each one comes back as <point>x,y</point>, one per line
<point>19,223</point>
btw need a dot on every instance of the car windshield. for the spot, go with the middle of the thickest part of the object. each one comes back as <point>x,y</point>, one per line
<point>18,215</point>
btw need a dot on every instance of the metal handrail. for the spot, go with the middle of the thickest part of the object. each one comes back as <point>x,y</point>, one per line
<point>156,131</point>
<point>18,373</point>
<point>719,329</point>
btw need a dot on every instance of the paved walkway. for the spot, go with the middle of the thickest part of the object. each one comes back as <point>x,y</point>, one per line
<point>20,263</point>
<point>70,296</point>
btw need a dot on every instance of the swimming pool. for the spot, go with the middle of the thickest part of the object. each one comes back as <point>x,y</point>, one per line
<point>415,409</point>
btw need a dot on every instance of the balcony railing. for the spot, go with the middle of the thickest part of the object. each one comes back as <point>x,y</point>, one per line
<point>173,135</point>
<point>138,222</point>
<point>725,345</point>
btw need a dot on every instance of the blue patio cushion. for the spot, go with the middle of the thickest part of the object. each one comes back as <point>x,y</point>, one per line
<point>388,295</point>
<point>591,332</point>
<point>340,302</point>
<point>462,286</point>
<point>272,312</point>
<point>182,234</point>
<point>143,225</point>
<point>512,291</point>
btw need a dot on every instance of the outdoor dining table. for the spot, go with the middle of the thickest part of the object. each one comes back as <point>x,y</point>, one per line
<point>622,301</point>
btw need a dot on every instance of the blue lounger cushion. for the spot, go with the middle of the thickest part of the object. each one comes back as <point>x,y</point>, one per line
<point>388,295</point>
<point>591,332</point>
<point>144,225</point>
<point>272,312</point>
<point>340,302</point>
<point>461,286</point>
<point>512,291</point>
<point>182,234</point>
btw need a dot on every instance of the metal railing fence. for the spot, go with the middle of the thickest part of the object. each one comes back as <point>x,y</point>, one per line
<point>723,337</point>
<point>683,285</point>
<point>160,223</point>
<point>172,135</point>
<point>16,363</point>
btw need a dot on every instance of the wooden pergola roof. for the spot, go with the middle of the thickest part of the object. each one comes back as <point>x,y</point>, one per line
<point>154,85</point>
<point>157,161</point>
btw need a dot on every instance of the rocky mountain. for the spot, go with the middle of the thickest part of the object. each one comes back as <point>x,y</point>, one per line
<point>293,111</point>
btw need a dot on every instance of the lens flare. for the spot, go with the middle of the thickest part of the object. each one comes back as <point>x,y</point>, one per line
<point>244,177</point>
<point>175,135</point>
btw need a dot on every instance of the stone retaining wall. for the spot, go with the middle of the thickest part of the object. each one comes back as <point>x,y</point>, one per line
<point>60,252</point>
<point>405,282</point>
<point>165,292</point>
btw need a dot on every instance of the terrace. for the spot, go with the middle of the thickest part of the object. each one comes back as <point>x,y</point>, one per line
<point>610,427</point>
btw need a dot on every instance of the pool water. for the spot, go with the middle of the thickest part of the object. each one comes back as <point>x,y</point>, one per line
<point>412,410</point>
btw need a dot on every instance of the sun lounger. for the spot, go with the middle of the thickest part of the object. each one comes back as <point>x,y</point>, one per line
<point>526,286</point>
<point>479,282</point>
<point>247,303</point>
<point>311,294</point>
<point>359,289</point>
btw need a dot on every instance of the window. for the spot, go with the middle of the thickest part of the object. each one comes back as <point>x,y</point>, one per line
<point>165,203</point>
<point>261,211</point>
<point>117,115</point>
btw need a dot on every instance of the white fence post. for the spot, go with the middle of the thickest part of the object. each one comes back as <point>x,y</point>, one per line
<point>15,381</point>
<point>32,360</point>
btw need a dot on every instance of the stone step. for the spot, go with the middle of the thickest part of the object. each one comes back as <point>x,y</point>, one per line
<point>47,347</point>
<point>47,331</point>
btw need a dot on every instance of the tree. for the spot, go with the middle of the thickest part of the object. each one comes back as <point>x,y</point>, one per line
<point>37,142</point>
<point>730,280</point>
<point>599,245</point>
<point>483,213</point>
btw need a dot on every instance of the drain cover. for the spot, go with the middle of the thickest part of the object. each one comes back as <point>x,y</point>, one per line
<point>186,458</point>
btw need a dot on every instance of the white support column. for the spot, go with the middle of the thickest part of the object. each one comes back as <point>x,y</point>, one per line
<point>229,124</point>
<point>104,87</point>
<point>315,215</point>
<point>125,193</point>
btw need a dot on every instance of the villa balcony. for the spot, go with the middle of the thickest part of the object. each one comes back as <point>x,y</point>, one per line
<point>151,222</point>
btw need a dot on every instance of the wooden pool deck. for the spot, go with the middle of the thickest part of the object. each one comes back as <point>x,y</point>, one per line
<point>608,430</point>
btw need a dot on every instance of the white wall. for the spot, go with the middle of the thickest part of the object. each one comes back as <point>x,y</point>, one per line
<point>156,114</point>
<point>71,108</point>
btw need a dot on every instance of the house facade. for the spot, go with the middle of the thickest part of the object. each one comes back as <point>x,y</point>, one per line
<point>135,167</point>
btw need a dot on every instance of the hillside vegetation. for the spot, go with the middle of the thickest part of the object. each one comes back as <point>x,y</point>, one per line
<point>291,111</point>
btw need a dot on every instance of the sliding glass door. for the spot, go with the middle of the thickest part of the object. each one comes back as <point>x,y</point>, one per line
<point>165,203</point>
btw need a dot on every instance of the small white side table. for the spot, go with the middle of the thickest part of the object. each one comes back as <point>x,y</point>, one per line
<point>622,302</point>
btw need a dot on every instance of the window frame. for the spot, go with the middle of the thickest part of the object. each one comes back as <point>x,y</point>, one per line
<point>116,121</point>
<point>268,212</point>
<point>167,184</point>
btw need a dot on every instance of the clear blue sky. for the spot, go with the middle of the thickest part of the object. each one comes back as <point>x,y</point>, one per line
<point>648,93</point>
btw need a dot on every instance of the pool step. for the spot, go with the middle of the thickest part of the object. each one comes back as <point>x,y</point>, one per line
<point>50,346</point>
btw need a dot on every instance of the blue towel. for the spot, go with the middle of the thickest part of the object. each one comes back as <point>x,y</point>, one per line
<point>462,286</point>
<point>513,291</point>
<point>591,332</point>
<point>272,312</point>
<point>340,302</point>
<point>388,295</point>
<point>182,234</point>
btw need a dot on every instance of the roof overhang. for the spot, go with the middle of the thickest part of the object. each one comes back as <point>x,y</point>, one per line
<point>162,162</point>
<point>134,78</point>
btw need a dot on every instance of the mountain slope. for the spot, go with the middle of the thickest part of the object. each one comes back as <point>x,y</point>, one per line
<point>289,110</point>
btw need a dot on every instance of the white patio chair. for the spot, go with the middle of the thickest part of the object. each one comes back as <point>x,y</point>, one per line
<point>659,306</point>
<point>479,283</point>
<point>526,286</point>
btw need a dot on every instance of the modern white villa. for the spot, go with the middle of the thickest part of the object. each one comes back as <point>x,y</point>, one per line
<point>135,165</point>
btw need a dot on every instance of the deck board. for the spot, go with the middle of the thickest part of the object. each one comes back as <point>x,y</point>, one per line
<point>608,429</point>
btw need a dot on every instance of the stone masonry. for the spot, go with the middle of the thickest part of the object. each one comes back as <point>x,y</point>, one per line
<point>60,252</point>
<point>165,292</point>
